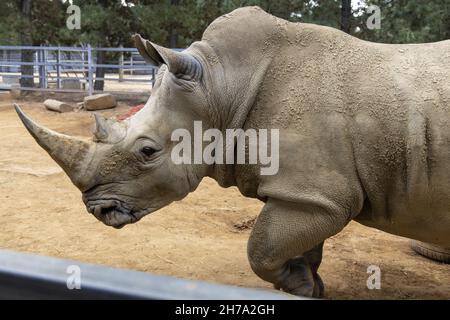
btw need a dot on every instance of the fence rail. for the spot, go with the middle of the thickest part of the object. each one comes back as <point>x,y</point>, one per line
<point>71,69</point>
<point>26,276</point>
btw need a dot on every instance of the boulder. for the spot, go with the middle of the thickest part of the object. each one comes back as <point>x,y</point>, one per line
<point>99,102</point>
<point>58,106</point>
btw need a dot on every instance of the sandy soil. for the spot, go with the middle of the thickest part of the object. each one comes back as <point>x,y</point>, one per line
<point>202,237</point>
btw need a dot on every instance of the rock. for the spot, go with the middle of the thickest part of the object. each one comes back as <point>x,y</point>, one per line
<point>58,106</point>
<point>100,101</point>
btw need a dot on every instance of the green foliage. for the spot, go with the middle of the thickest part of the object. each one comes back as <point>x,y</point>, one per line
<point>42,27</point>
<point>409,21</point>
<point>104,23</point>
<point>111,22</point>
<point>323,12</point>
<point>8,13</point>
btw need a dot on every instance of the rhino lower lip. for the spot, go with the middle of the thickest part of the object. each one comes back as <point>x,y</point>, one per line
<point>116,218</point>
<point>112,214</point>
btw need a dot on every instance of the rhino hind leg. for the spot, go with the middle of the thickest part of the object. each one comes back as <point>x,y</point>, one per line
<point>278,241</point>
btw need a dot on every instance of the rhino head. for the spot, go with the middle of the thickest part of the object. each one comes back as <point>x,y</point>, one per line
<point>126,171</point>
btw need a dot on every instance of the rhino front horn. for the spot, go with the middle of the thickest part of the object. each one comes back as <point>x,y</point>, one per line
<point>70,153</point>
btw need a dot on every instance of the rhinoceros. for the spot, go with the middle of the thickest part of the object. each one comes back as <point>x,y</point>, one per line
<point>364,135</point>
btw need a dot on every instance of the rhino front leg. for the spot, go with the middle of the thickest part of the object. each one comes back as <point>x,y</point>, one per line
<point>286,244</point>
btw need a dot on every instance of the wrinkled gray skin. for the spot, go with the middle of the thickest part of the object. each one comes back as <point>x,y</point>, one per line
<point>364,135</point>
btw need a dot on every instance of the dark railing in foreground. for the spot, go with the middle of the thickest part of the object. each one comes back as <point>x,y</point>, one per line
<point>26,276</point>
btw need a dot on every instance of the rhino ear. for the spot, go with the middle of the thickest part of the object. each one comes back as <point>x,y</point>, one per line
<point>147,51</point>
<point>181,64</point>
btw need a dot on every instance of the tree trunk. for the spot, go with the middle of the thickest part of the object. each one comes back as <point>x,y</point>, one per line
<point>101,55</point>
<point>173,34</point>
<point>346,13</point>
<point>99,71</point>
<point>173,38</point>
<point>26,40</point>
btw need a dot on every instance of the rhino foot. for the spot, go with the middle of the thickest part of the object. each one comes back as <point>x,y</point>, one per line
<point>300,280</point>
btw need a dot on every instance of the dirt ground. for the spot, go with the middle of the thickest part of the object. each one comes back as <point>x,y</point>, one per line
<point>202,237</point>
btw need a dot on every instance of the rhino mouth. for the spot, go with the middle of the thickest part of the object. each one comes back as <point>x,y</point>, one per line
<point>111,212</point>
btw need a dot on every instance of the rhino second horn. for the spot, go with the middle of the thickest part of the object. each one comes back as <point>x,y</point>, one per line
<point>101,128</point>
<point>109,130</point>
<point>70,153</point>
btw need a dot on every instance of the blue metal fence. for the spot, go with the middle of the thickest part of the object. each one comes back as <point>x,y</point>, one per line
<point>52,66</point>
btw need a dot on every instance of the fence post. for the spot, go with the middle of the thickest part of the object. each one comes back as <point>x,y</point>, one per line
<point>90,76</point>
<point>58,69</point>
<point>153,76</point>
<point>121,65</point>
<point>44,67</point>
<point>36,63</point>
<point>40,68</point>
<point>5,59</point>
<point>131,64</point>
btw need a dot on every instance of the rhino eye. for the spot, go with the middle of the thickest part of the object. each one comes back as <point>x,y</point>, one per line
<point>148,151</point>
